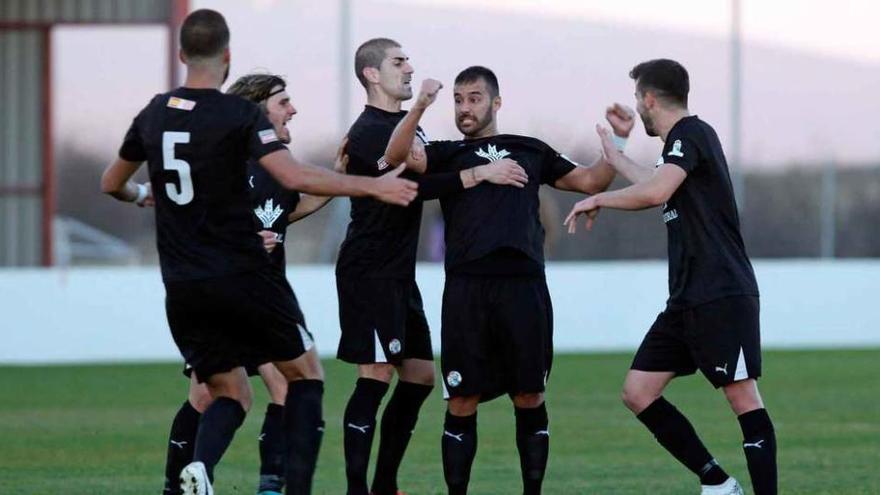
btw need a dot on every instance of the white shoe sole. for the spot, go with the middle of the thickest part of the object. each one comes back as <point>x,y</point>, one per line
<point>194,480</point>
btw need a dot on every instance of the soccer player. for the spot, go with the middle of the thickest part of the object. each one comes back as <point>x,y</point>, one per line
<point>710,321</point>
<point>497,334</point>
<point>226,305</point>
<point>383,324</point>
<point>274,208</point>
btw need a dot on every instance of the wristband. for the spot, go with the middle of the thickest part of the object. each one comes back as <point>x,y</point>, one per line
<point>141,194</point>
<point>619,142</point>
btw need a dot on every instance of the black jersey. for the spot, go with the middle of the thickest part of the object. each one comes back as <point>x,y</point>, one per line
<point>197,143</point>
<point>707,257</point>
<point>490,217</point>
<point>272,205</point>
<point>382,239</point>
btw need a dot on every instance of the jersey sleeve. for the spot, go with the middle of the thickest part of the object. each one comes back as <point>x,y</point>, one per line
<point>366,150</point>
<point>438,155</point>
<point>433,186</point>
<point>555,166</point>
<point>681,149</point>
<point>132,148</point>
<point>261,135</point>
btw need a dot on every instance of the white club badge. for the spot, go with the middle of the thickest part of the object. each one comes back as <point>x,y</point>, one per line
<point>453,379</point>
<point>394,346</point>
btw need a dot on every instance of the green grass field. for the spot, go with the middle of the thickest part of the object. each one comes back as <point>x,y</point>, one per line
<point>103,429</point>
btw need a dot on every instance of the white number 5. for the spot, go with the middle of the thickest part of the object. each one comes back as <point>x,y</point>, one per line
<point>169,162</point>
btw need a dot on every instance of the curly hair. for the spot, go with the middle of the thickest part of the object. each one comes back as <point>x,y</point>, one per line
<point>257,87</point>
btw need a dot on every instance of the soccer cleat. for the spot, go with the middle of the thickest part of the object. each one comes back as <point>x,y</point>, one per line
<point>194,480</point>
<point>729,487</point>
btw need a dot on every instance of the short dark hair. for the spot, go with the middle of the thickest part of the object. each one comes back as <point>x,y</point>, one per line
<point>371,54</point>
<point>475,73</point>
<point>667,78</point>
<point>257,87</point>
<point>204,34</point>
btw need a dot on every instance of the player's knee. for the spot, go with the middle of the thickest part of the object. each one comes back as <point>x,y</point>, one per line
<point>463,406</point>
<point>418,372</point>
<point>743,396</point>
<point>528,401</point>
<point>382,372</point>
<point>199,398</point>
<point>636,400</point>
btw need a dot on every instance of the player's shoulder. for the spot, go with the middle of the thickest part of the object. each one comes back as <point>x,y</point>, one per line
<point>692,127</point>
<point>372,124</point>
<point>528,142</point>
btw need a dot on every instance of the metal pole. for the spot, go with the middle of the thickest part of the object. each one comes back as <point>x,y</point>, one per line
<point>344,65</point>
<point>736,168</point>
<point>827,210</point>
<point>334,229</point>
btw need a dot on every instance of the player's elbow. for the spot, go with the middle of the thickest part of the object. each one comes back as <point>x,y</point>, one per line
<point>656,197</point>
<point>109,185</point>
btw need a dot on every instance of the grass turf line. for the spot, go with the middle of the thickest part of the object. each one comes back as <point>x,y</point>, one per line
<point>103,429</point>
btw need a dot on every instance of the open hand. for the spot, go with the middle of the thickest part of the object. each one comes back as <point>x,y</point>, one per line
<point>505,172</point>
<point>586,207</point>
<point>390,188</point>
<point>270,240</point>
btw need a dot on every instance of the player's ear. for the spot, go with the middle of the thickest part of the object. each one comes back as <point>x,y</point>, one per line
<point>227,55</point>
<point>181,56</point>
<point>371,74</point>
<point>496,103</point>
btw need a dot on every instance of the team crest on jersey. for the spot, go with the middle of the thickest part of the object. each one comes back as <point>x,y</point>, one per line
<point>268,213</point>
<point>492,154</point>
<point>268,136</point>
<point>676,149</point>
<point>181,103</point>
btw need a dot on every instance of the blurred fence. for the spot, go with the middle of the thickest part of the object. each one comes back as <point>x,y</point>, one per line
<point>118,314</point>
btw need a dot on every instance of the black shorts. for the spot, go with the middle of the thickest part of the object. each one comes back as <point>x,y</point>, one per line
<point>245,319</point>
<point>250,369</point>
<point>497,335</point>
<point>382,321</point>
<point>721,338</point>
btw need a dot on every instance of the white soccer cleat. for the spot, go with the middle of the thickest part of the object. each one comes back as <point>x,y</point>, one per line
<point>729,487</point>
<point>194,480</point>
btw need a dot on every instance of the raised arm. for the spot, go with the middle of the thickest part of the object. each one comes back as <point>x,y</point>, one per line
<point>597,177</point>
<point>400,146</point>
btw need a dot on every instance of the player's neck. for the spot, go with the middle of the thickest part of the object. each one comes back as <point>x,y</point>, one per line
<point>667,120</point>
<point>383,101</point>
<point>204,78</point>
<point>486,132</point>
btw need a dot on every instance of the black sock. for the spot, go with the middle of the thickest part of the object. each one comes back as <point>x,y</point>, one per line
<point>359,425</point>
<point>459,446</point>
<point>303,428</point>
<point>759,445</point>
<point>533,443</point>
<point>398,422</point>
<point>676,434</point>
<point>272,449</point>
<point>216,429</point>
<point>181,443</point>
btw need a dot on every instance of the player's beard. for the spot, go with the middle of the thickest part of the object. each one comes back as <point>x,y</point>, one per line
<point>648,122</point>
<point>480,123</point>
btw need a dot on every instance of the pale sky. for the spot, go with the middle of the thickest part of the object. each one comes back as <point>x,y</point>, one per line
<point>843,28</point>
<point>798,56</point>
